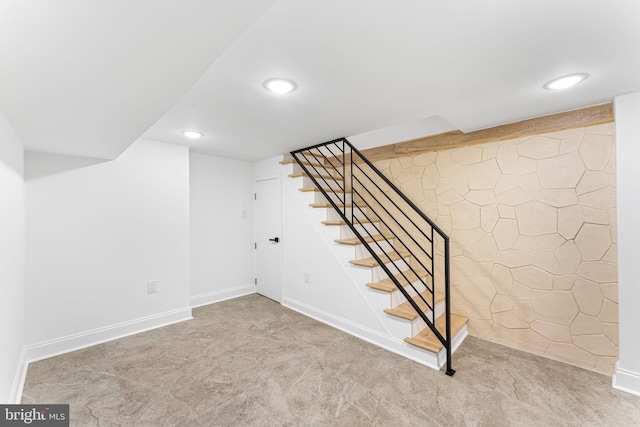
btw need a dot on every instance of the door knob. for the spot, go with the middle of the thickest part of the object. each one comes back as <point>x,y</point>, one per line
<point>275,239</point>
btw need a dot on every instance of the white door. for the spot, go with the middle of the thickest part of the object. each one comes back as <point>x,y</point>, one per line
<point>268,238</point>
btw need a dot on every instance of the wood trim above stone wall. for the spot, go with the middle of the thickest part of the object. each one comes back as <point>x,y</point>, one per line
<point>595,115</point>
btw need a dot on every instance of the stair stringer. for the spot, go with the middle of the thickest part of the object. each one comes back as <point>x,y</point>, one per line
<point>362,315</point>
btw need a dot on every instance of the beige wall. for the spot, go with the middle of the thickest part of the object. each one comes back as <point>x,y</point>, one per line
<point>532,227</point>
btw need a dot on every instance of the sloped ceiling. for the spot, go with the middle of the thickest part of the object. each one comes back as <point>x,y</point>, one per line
<point>88,77</point>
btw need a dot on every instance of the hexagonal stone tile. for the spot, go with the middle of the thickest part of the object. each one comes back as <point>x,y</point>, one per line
<point>609,312</point>
<point>467,155</point>
<point>505,233</point>
<point>585,325</point>
<point>533,277</point>
<point>395,168</point>
<point>531,341</point>
<point>510,320</point>
<point>502,279</point>
<point>601,272</point>
<point>444,163</point>
<point>450,197</point>
<point>425,159</point>
<point>501,303</point>
<point>507,212</point>
<point>526,243</point>
<point>481,197</point>
<point>596,150</point>
<point>569,257</point>
<point>549,242</point>
<point>593,241</point>
<point>488,247</point>
<point>551,331</point>
<point>570,144</point>
<point>480,290</point>
<point>554,306</point>
<point>506,183</point>
<point>539,147</point>
<point>535,218</point>
<point>598,345</point>
<point>514,197</point>
<point>605,198</point>
<point>430,177</point>
<point>591,181</point>
<point>483,175</point>
<point>611,331</point>
<point>515,258</point>
<point>558,198</point>
<point>570,220</point>
<point>475,311</point>
<point>564,283</point>
<point>507,158</point>
<point>525,310</point>
<point>465,215</point>
<point>610,291</point>
<point>588,296</point>
<point>549,263</point>
<point>529,183</point>
<point>560,172</point>
<point>488,218</point>
<point>571,354</point>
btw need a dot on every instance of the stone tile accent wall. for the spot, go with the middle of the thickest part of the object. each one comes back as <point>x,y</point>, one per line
<point>533,238</point>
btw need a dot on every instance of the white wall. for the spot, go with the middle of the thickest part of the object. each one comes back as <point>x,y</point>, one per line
<point>267,168</point>
<point>330,295</point>
<point>221,228</point>
<point>12,259</point>
<point>96,233</point>
<point>627,116</point>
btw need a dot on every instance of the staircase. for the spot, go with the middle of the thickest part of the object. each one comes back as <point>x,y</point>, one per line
<point>398,252</point>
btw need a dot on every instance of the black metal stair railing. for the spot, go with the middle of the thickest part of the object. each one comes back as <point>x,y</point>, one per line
<point>377,212</point>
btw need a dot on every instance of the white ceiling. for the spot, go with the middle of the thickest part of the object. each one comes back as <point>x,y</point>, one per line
<point>88,77</point>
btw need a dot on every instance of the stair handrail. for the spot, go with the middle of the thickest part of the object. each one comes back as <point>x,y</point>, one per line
<point>343,165</point>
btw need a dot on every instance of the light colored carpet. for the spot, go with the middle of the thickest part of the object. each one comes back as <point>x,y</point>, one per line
<point>252,362</point>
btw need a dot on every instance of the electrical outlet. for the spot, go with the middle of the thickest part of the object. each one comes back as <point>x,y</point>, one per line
<point>307,278</point>
<point>152,286</point>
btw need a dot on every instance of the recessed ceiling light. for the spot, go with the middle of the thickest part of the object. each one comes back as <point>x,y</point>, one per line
<point>279,85</point>
<point>192,134</point>
<point>566,82</point>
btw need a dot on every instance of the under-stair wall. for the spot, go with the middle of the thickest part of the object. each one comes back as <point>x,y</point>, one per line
<point>336,292</point>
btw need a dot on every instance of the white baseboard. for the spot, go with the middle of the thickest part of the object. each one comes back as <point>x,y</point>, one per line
<point>434,361</point>
<point>626,381</point>
<point>223,295</point>
<point>74,342</point>
<point>18,381</point>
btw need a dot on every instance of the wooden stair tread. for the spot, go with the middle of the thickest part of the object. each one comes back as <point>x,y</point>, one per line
<point>336,190</point>
<point>371,261</point>
<point>341,222</point>
<point>406,311</point>
<point>315,175</point>
<point>293,162</point>
<point>354,241</point>
<point>427,340</point>
<point>387,285</point>
<point>316,155</point>
<point>329,205</point>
